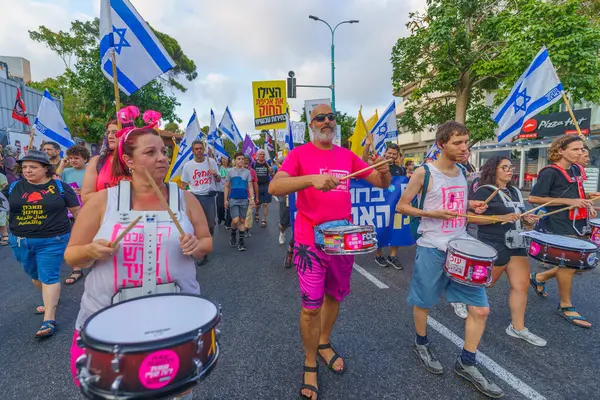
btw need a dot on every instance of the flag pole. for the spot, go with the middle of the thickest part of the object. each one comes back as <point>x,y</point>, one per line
<point>564,96</point>
<point>31,134</point>
<point>116,86</point>
<point>275,137</point>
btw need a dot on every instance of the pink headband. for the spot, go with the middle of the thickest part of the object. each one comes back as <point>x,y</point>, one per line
<point>127,116</point>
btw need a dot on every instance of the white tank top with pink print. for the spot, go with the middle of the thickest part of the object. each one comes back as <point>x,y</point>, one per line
<point>126,268</point>
<point>449,194</point>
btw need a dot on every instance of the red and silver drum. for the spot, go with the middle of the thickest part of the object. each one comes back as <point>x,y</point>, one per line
<point>343,240</point>
<point>151,347</point>
<point>563,251</point>
<point>595,235</point>
<point>470,262</point>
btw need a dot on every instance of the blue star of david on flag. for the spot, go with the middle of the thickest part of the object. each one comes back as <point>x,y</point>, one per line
<point>122,41</point>
<point>526,99</point>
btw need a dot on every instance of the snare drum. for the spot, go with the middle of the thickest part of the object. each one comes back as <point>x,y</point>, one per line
<point>470,262</point>
<point>151,347</point>
<point>563,251</point>
<point>595,235</point>
<point>347,240</point>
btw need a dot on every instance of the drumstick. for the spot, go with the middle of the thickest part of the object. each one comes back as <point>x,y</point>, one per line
<point>164,202</point>
<point>491,196</point>
<point>352,175</point>
<point>567,208</point>
<point>478,216</point>
<point>125,232</point>
<point>535,209</point>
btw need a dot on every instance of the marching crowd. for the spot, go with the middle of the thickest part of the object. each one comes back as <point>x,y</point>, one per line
<point>78,209</point>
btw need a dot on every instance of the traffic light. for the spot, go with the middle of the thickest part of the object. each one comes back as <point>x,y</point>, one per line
<point>291,85</point>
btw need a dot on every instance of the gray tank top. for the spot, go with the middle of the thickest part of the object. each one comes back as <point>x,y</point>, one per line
<point>445,193</point>
<point>125,269</point>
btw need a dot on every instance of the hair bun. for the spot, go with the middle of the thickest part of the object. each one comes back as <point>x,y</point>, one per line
<point>127,115</point>
<point>152,118</point>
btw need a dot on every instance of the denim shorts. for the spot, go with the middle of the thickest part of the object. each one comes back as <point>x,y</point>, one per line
<point>429,281</point>
<point>41,258</point>
<point>238,208</point>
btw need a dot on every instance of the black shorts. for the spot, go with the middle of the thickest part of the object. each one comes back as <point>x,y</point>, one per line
<point>504,253</point>
<point>263,194</point>
<point>284,213</point>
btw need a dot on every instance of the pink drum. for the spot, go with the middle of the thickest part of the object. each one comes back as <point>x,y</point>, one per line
<point>595,235</point>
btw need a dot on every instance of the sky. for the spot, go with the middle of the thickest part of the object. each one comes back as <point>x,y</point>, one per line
<point>235,42</point>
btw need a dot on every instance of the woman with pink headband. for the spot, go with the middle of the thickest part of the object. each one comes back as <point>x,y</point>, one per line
<point>112,277</point>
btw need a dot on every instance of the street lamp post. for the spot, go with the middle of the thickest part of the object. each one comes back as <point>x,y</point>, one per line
<point>352,21</point>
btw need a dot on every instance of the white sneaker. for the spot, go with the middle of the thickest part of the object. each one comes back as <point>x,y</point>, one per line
<point>281,237</point>
<point>460,309</point>
<point>526,336</point>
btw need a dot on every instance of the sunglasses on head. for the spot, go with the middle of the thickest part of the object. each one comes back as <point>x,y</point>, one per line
<point>321,117</point>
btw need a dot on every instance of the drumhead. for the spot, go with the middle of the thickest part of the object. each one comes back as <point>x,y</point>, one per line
<point>565,241</point>
<point>595,222</point>
<point>150,319</point>
<point>472,247</point>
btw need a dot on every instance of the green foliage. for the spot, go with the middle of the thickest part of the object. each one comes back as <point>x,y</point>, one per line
<point>88,95</point>
<point>460,49</point>
<point>173,127</point>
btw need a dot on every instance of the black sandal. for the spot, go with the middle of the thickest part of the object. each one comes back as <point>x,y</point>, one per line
<point>333,359</point>
<point>4,240</point>
<point>75,276</point>
<point>306,385</point>
<point>535,284</point>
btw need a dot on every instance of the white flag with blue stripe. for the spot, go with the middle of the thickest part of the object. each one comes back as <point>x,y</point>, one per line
<point>385,130</point>
<point>140,57</point>
<point>51,125</point>
<point>537,89</point>
<point>289,133</point>
<point>229,128</point>
<point>213,139</point>
<point>185,154</point>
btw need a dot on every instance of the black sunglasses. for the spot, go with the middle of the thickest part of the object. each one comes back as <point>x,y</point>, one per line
<point>321,117</point>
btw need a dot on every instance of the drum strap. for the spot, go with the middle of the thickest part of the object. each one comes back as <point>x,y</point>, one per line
<point>150,220</point>
<point>508,202</point>
<point>576,213</point>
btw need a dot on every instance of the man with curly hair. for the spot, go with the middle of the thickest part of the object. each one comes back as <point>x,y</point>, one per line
<point>314,171</point>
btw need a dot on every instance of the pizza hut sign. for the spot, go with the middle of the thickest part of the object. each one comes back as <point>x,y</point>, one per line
<point>556,124</point>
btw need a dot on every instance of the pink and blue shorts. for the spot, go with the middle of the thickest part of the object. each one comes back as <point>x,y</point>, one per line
<point>321,274</point>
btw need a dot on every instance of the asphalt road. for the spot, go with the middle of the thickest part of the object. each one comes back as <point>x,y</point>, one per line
<point>261,351</point>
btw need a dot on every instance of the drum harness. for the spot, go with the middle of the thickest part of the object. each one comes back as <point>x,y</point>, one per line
<point>150,220</point>
<point>512,238</point>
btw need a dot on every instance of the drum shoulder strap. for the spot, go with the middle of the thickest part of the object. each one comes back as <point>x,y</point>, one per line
<point>425,186</point>
<point>124,192</point>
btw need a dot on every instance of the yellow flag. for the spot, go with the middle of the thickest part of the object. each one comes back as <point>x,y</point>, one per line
<point>360,132</point>
<point>173,157</point>
<point>372,121</point>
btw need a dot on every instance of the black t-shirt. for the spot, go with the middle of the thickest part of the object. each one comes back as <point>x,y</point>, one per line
<point>40,211</point>
<point>262,173</point>
<point>396,170</point>
<point>496,207</point>
<point>552,183</point>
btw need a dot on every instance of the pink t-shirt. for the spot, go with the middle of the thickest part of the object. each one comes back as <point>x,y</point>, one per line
<point>314,206</point>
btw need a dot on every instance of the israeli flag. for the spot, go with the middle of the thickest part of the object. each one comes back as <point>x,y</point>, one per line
<point>434,152</point>
<point>185,154</point>
<point>537,89</point>
<point>385,130</point>
<point>213,139</point>
<point>229,128</point>
<point>289,133</point>
<point>51,125</point>
<point>140,57</point>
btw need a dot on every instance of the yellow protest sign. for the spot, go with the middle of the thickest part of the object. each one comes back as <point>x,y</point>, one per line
<point>270,104</point>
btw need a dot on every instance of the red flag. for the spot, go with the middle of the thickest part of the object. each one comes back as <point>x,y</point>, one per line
<point>19,111</point>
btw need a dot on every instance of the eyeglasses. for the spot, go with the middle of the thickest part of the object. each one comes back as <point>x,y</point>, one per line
<point>321,117</point>
<point>507,168</point>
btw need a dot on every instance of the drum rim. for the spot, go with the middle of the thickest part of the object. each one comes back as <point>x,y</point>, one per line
<point>558,246</point>
<point>150,345</point>
<point>478,258</point>
<point>352,229</point>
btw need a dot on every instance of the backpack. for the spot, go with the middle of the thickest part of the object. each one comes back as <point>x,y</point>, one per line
<point>419,203</point>
<point>58,185</point>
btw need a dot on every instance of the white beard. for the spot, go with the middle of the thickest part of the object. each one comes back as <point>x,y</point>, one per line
<point>323,137</point>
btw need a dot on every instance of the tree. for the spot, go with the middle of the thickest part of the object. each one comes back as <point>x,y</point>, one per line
<point>459,50</point>
<point>88,95</point>
<point>173,127</point>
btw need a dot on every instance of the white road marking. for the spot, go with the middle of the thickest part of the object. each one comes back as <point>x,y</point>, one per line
<point>482,359</point>
<point>370,277</point>
<point>490,364</point>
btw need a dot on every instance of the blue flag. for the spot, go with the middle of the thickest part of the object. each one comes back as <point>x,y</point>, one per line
<point>213,139</point>
<point>229,128</point>
<point>537,89</point>
<point>50,124</point>
<point>185,154</point>
<point>140,57</point>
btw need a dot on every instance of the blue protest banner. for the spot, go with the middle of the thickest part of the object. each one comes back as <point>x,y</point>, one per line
<point>377,207</point>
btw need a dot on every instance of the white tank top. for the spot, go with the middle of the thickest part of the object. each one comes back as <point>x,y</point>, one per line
<point>125,269</point>
<point>445,193</point>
